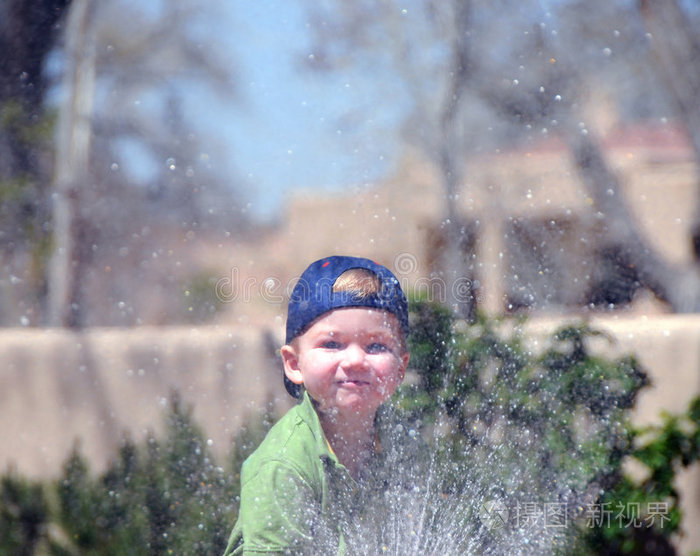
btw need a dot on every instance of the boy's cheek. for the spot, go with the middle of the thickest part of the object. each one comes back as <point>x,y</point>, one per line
<point>392,379</point>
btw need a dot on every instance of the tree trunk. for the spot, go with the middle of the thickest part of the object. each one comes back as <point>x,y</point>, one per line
<point>72,157</point>
<point>457,272</point>
<point>678,286</point>
<point>676,48</point>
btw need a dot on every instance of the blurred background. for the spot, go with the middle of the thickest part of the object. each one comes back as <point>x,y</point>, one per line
<point>167,169</point>
<point>546,152</point>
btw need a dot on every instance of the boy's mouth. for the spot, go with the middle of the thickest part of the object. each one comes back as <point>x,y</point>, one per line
<point>352,383</point>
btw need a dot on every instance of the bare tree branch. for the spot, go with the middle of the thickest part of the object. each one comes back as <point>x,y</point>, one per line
<point>674,284</point>
<point>676,45</point>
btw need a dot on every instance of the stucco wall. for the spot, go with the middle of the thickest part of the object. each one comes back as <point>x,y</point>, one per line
<point>58,386</point>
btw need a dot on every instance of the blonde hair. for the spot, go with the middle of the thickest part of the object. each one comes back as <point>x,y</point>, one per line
<point>358,281</point>
<point>362,283</point>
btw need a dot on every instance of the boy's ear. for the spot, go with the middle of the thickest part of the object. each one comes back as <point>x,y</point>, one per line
<point>405,357</point>
<point>290,359</point>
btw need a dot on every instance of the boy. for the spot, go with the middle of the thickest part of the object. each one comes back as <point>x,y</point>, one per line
<point>312,482</point>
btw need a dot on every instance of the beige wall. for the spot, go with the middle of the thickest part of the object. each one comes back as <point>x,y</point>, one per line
<point>58,386</point>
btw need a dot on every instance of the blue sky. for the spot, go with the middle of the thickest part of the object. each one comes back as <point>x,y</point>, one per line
<point>285,127</point>
<point>289,132</point>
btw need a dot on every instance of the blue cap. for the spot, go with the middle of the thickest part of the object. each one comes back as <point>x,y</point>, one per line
<point>313,294</point>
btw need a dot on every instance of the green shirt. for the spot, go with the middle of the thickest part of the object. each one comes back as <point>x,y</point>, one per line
<point>297,498</point>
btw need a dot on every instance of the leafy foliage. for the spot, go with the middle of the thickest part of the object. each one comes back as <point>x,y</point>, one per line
<point>166,496</point>
<point>23,514</point>
<point>163,496</point>
<point>541,421</point>
<point>661,451</point>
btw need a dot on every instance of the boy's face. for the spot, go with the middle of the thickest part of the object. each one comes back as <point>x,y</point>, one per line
<point>350,360</point>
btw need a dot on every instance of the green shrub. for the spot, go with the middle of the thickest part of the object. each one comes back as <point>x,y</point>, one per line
<point>23,514</point>
<point>166,496</point>
<point>650,497</point>
<point>545,425</point>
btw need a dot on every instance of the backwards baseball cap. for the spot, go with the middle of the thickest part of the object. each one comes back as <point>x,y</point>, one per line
<point>313,294</point>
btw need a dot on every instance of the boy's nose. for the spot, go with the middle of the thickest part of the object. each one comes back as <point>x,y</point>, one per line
<point>354,356</point>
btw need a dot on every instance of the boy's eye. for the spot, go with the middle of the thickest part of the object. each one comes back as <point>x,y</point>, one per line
<point>330,344</point>
<point>377,347</point>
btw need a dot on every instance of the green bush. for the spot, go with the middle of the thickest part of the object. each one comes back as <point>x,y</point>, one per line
<point>652,500</point>
<point>166,495</point>
<point>538,427</point>
<point>23,514</point>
